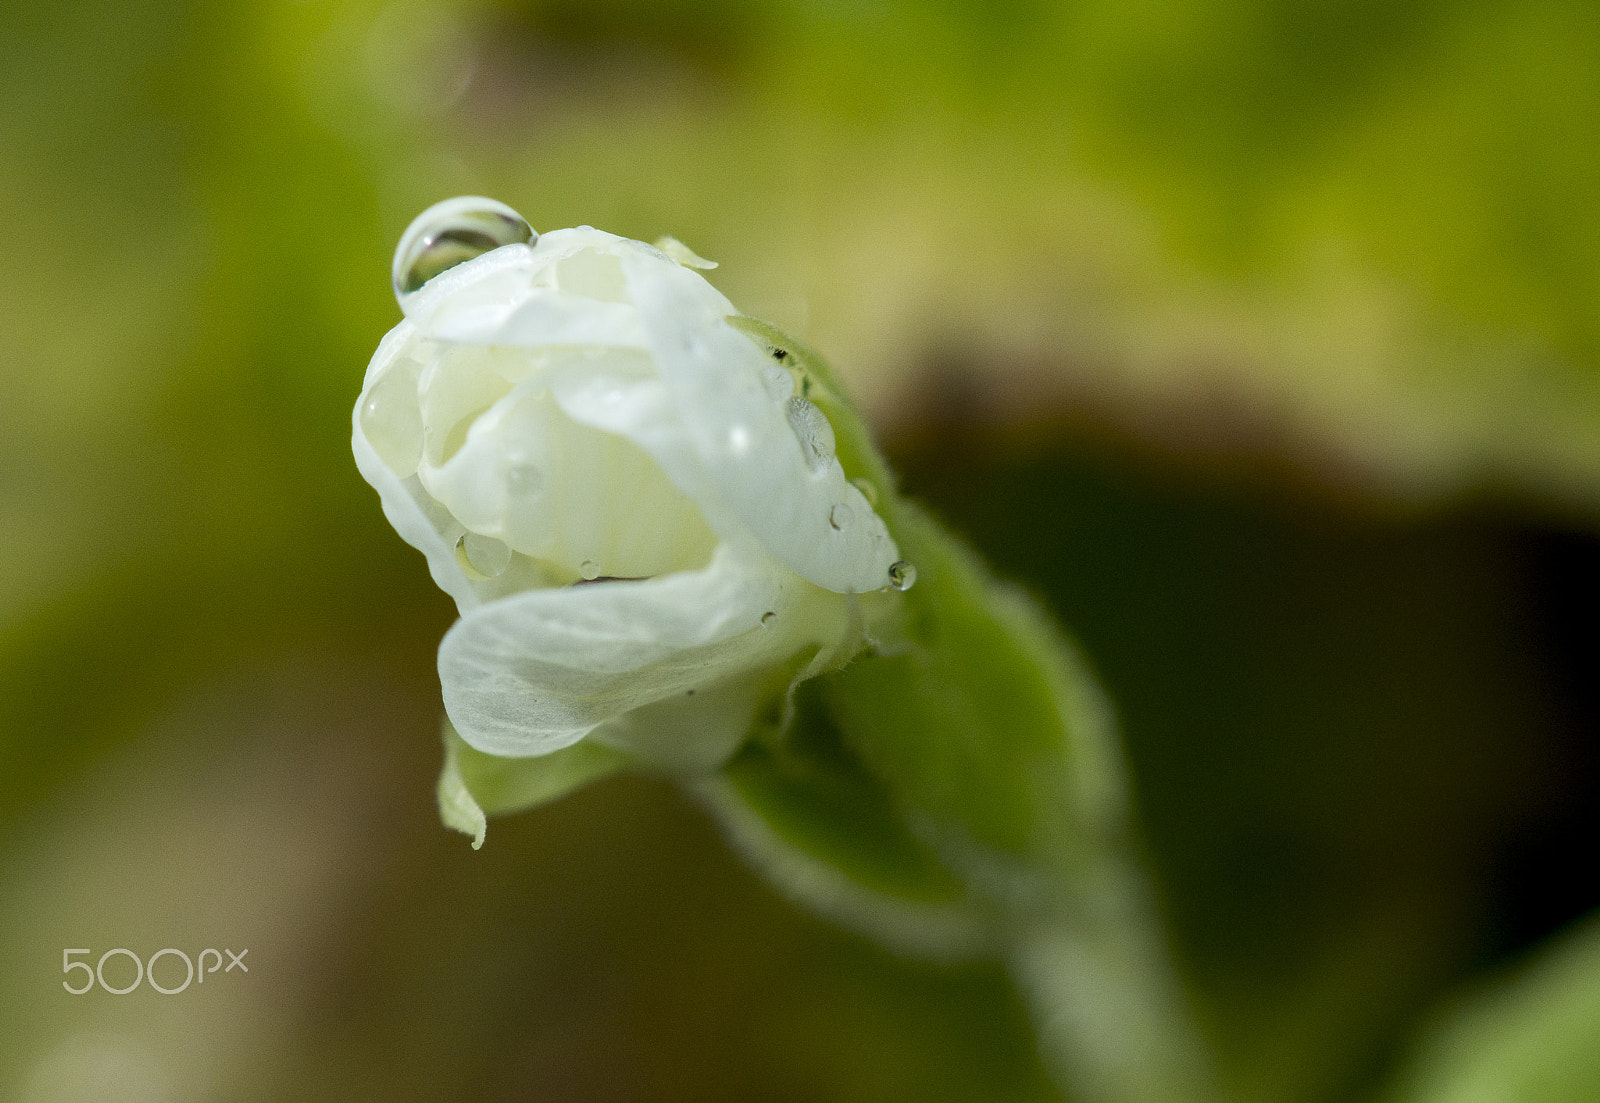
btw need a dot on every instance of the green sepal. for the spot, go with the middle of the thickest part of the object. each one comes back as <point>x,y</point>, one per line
<point>1533,1037</point>
<point>828,833</point>
<point>821,802</point>
<point>983,717</point>
<point>474,786</point>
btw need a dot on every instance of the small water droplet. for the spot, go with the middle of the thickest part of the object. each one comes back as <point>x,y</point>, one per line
<point>869,490</point>
<point>841,515</point>
<point>902,575</point>
<point>767,619</point>
<point>451,233</point>
<point>589,569</point>
<point>811,426</point>
<point>482,557</point>
<point>525,480</point>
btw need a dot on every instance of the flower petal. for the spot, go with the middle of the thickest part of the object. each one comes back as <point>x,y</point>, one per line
<point>565,492</point>
<point>684,734</point>
<point>528,297</point>
<point>537,671</point>
<point>769,463</point>
<point>420,520</point>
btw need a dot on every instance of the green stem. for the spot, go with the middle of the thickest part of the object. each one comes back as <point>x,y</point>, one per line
<point>1107,1004</point>
<point>997,744</point>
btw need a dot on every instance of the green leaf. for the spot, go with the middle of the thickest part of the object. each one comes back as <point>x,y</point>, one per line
<point>457,806</point>
<point>474,786</point>
<point>1533,1038</point>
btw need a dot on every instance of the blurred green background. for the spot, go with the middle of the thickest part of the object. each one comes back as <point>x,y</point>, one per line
<point>1260,338</point>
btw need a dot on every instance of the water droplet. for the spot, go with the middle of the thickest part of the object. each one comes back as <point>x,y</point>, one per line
<point>767,619</point>
<point>841,515</point>
<point>482,557</point>
<point>525,480</point>
<point>869,490</point>
<point>902,576</point>
<point>589,569</point>
<point>451,233</point>
<point>811,426</point>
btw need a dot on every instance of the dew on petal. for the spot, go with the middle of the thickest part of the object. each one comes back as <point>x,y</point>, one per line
<point>902,575</point>
<point>811,426</point>
<point>589,570</point>
<point>391,419</point>
<point>767,619</point>
<point>451,233</point>
<point>841,515</point>
<point>482,557</point>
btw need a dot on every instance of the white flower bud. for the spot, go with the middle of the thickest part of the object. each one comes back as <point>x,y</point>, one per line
<point>578,410</point>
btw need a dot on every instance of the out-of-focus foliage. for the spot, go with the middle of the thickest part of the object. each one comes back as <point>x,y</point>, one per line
<point>1358,239</point>
<point>1531,1037</point>
<point>1362,744</point>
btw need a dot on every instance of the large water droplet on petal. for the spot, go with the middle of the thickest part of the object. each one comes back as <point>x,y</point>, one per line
<point>482,557</point>
<point>451,233</point>
<point>589,570</point>
<point>841,515</point>
<point>902,575</point>
<point>811,426</point>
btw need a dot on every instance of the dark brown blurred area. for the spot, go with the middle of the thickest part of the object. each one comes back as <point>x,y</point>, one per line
<point>1365,738</point>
